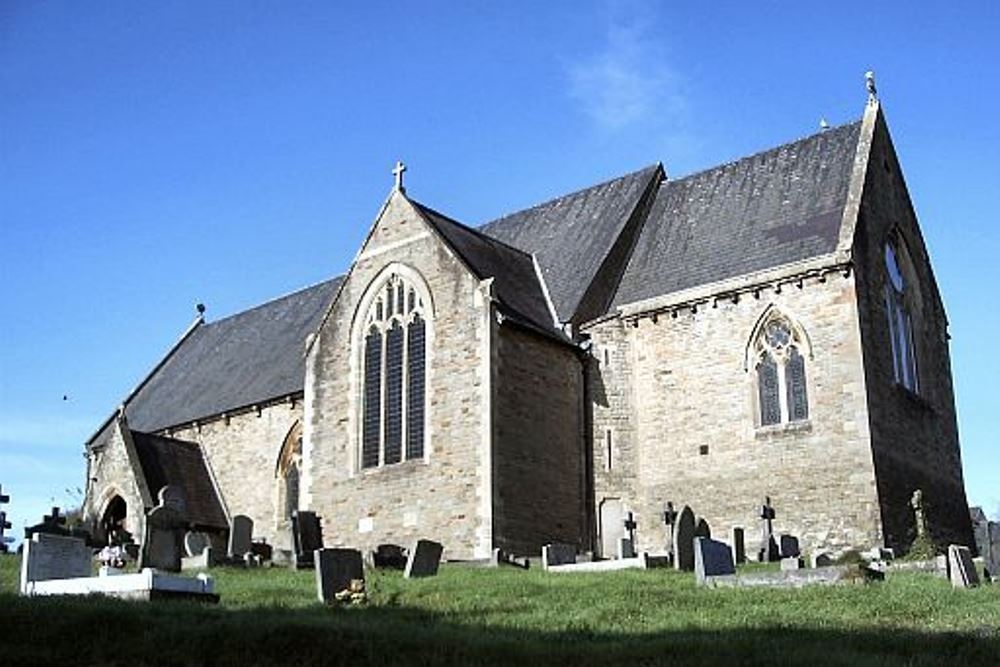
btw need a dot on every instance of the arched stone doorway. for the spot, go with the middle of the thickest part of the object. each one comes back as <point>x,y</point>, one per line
<point>112,525</point>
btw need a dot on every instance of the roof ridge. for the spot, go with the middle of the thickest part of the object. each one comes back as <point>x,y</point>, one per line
<point>473,230</point>
<point>272,301</point>
<point>572,194</point>
<point>773,149</point>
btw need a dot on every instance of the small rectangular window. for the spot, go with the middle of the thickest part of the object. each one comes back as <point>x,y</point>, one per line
<point>608,460</point>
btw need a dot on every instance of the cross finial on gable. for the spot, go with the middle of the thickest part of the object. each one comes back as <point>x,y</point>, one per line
<point>398,172</point>
<point>870,85</point>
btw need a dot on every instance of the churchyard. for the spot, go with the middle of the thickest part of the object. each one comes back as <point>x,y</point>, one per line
<point>479,615</point>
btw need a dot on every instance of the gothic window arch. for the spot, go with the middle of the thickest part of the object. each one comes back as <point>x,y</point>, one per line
<point>899,295</point>
<point>288,472</point>
<point>778,352</point>
<point>394,346</point>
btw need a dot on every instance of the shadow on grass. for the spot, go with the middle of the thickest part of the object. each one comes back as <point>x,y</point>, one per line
<point>74,631</point>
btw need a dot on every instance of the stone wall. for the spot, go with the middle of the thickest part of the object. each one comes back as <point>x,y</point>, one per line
<point>914,435</point>
<point>539,451</point>
<point>446,495</point>
<point>692,436</point>
<point>111,472</point>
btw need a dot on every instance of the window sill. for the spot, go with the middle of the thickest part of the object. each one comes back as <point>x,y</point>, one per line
<point>388,469</point>
<point>778,430</point>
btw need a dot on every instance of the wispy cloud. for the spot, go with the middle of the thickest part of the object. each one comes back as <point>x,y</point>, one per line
<point>628,81</point>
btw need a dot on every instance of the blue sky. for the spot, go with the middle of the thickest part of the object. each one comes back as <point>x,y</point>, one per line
<point>156,155</point>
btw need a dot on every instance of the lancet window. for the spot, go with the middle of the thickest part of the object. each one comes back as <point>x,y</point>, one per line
<point>781,373</point>
<point>897,297</point>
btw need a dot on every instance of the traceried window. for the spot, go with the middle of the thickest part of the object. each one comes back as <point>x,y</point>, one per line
<point>288,472</point>
<point>394,376</point>
<point>897,296</point>
<point>781,374</point>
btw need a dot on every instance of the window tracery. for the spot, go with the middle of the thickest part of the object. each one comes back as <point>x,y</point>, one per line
<point>897,297</point>
<point>781,373</point>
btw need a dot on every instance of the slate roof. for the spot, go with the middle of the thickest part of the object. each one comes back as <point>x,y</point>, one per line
<point>181,464</point>
<point>235,362</point>
<point>515,284</point>
<point>770,209</point>
<point>571,236</point>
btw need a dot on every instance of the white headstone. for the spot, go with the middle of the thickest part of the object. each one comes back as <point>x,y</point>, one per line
<point>48,557</point>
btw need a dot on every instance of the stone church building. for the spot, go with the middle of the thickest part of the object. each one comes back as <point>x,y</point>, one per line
<point>768,327</point>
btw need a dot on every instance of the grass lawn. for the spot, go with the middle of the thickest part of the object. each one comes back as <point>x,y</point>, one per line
<point>469,616</point>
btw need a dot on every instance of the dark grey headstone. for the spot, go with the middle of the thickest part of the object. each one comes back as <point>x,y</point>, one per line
<point>702,529</point>
<point>711,559</point>
<point>737,539</point>
<point>820,559</point>
<point>425,557</point>
<point>558,553</point>
<point>961,569</point>
<point>684,540</point>
<point>789,545</point>
<point>163,538</point>
<point>995,547</point>
<point>240,536</point>
<point>335,568</point>
<point>389,556</point>
<point>626,549</point>
<point>307,537</point>
<point>195,543</point>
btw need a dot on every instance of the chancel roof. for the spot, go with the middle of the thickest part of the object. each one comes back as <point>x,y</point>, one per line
<point>767,210</point>
<point>180,464</point>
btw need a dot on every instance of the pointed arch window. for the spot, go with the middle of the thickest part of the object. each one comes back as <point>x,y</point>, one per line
<point>897,297</point>
<point>394,375</point>
<point>780,373</point>
<point>288,472</point>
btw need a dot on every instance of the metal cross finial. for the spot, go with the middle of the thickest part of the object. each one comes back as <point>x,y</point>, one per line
<point>870,84</point>
<point>398,172</point>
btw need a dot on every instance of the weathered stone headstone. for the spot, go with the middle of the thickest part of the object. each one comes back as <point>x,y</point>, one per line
<point>711,559</point>
<point>53,557</point>
<point>919,518</point>
<point>961,569</point>
<point>335,569</point>
<point>684,540</point>
<point>425,557</point>
<point>737,539</point>
<point>390,556</point>
<point>768,551</point>
<point>558,553</point>
<point>195,543</point>
<point>163,537</point>
<point>240,536</point>
<point>307,537</point>
<point>789,545</point>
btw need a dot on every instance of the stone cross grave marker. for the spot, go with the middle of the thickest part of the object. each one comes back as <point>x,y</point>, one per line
<point>768,551</point>
<point>307,534</point>
<point>425,557</point>
<point>163,536</point>
<point>53,557</point>
<point>917,503</point>
<point>684,540</point>
<point>240,536</point>
<point>558,553</point>
<point>335,570</point>
<point>711,559</point>
<point>4,523</point>
<point>669,519</point>
<point>737,539</point>
<point>626,548</point>
<point>961,569</point>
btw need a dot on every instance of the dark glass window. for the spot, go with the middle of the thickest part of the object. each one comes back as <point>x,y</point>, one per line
<point>415,389</point>
<point>291,490</point>
<point>372,398</point>
<point>394,393</point>
<point>795,380</point>
<point>767,384</point>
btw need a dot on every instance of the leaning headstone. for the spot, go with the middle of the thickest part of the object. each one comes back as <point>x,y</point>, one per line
<point>389,556</point>
<point>789,545</point>
<point>307,537</point>
<point>335,570</point>
<point>48,557</point>
<point>195,543</point>
<point>737,541</point>
<point>684,540</point>
<point>961,569</point>
<point>163,537</point>
<point>711,559</point>
<point>558,553</point>
<point>425,557</point>
<point>240,536</point>
<point>702,529</point>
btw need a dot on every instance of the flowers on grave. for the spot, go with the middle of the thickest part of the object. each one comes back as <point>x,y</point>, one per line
<point>354,594</point>
<point>113,556</point>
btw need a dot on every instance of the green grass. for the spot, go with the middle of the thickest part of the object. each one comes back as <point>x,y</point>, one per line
<point>479,616</point>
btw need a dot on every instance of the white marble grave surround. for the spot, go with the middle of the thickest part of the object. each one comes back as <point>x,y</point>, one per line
<point>124,585</point>
<point>638,563</point>
<point>54,557</point>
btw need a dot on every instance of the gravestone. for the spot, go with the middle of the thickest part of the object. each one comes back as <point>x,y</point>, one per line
<point>626,545</point>
<point>163,536</point>
<point>201,561</point>
<point>389,556</point>
<point>558,553</point>
<point>307,537</point>
<point>702,529</point>
<point>335,569</point>
<point>669,519</point>
<point>791,563</point>
<point>195,543</point>
<point>684,540</point>
<point>995,546</point>
<point>789,545</point>
<point>425,557</point>
<point>820,559</point>
<point>768,551</point>
<point>51,524</point>
<point>240,536</point>
<point>919,518</point>
<point>711,559</point>
<point>737,541</point>
<point>262,551</point>
<point>48,557</point>
<point>961,569</point>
